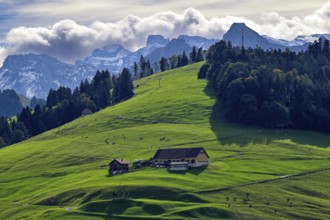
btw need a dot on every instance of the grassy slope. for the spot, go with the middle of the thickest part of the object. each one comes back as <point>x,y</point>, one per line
<point>62,174</point>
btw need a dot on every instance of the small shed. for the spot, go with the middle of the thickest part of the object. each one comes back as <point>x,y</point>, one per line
<point>86,111</point>
<point>117,166</point>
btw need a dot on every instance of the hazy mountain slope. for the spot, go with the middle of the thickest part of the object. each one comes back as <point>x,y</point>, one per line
<point>198,41</point>
<point>34,75</point>
<point>174,47</point>
<point>10,103</point>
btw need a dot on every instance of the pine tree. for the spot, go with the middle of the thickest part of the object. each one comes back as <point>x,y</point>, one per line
<point>193,55</point>
<point>136,70</point>
<point>163,64</point>
<point>185,60</point>
<point>2,142</point>
<point>143,64</point>
<point>200,56</point>
<point>124,87</point>
<point>148,70</point>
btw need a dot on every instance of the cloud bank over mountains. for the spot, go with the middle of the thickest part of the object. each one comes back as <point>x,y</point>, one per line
<point>68,40</point>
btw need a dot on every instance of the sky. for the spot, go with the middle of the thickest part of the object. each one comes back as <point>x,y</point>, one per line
<point>71,29</point>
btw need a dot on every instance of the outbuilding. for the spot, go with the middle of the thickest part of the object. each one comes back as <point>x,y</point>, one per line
<point>117,166</point>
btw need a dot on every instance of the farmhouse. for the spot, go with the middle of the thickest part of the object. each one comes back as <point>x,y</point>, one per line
<point>181,158</point>
<point>118,166</point>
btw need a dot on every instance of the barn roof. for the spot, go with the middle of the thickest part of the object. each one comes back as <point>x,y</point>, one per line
<point>178,153</point>
<point>121,161</point>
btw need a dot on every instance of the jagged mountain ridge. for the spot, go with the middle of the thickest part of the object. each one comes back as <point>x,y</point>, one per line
<point>156,47</point>
<point>109,57</point>
<point>34,75</point>
<point>116,57</point>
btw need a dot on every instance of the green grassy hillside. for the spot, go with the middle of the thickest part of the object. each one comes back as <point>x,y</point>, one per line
<point>254,173</point>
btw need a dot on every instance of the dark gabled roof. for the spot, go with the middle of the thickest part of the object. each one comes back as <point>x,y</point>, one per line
<point>121,161</point>
<point>178,153</point>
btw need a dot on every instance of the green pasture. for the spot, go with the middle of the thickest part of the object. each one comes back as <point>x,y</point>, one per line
<point>254,173</point>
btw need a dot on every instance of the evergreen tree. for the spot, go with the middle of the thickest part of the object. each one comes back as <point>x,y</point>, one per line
<point>136,70</point>
<point>173,62</point>
<point>148,69</point>
<point>5,130</point>
<point>143,64</point>
<point>124,87</point>
<point>163,64</point>
<point>193,55</point>
<point>273,88</point>
<point>326,48</point>
<point>182,60</point>
<point>36,101</point>
<point>17,136</point>
<point>2,142</point>
<point>202,71</point>
<point>200,56</point>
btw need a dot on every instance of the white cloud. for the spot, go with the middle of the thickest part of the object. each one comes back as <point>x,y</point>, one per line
<point>278,26</point>
<point>68,40</point>
<point>3,54</point>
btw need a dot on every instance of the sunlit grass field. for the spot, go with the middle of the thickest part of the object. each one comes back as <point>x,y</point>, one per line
<point>254,173</point>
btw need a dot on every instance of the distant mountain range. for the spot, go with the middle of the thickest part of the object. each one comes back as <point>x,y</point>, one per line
<point>116,57</point>
<point>34,75</point>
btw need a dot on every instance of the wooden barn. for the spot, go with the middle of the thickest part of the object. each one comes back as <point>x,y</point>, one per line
<point>117,166</point>
<point>181,158</point>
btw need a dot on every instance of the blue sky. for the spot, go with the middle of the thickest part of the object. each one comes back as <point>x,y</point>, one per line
<point>48,26</point>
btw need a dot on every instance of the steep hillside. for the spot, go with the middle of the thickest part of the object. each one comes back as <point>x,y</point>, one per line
<point>266,174</point>
<point>11,103</point>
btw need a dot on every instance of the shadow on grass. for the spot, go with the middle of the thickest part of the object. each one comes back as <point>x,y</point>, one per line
<point>195,171</point>
<point>116,206</point>
<point>239,134</point>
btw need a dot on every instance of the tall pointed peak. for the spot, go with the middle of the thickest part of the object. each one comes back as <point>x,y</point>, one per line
<point>156,39</point>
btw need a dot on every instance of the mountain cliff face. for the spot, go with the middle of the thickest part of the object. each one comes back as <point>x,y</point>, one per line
<point>250,37</point>
<point>174,47</point>
<point>116,57</point>
<point>110,57</point>
<point>34,75</point>
<point>153,43</point>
